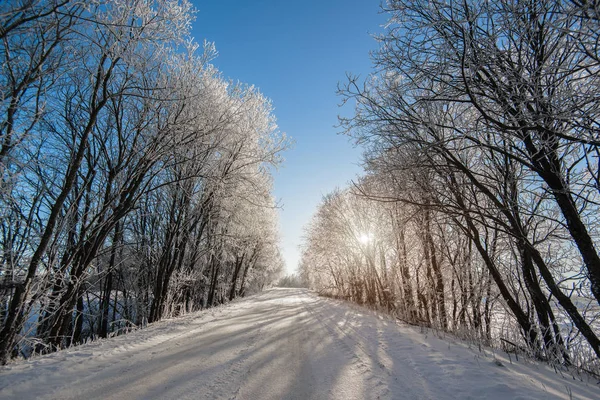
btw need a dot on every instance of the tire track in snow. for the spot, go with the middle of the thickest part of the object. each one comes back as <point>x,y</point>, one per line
<point>352,347</point>
<point>406,378</point>
<point>227,383</point>
<point>282,344</point>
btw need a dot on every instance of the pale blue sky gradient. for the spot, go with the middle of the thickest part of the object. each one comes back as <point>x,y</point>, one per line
<point>296,52</point>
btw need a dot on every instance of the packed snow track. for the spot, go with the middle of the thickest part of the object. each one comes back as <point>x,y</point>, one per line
<point>283,344</point>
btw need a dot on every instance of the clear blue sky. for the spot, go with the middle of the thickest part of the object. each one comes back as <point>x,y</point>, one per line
<point>296,52</point>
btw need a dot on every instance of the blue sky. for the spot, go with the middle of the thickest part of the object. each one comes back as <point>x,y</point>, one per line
<point>296,52</point>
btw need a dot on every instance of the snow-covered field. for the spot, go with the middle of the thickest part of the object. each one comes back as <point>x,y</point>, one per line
<point>283,344</point>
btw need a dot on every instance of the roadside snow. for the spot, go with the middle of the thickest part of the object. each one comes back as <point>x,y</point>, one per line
<point>283,344</point>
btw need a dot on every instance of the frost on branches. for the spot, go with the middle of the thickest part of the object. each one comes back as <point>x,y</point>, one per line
<point>135,178</point>
<point>478,211</point>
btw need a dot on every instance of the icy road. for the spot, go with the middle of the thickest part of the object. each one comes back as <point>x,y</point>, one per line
<point>283,344</point>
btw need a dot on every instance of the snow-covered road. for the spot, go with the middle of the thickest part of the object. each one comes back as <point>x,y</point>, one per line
<point>283,344</point>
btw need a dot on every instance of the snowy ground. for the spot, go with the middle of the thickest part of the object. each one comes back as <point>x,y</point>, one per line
<point>283,344</point>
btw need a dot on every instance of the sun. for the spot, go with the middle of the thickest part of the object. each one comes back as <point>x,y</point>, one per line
<point>364,238</point>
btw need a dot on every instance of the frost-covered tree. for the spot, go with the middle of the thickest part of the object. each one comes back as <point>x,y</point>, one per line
<point>480,127</point>
<point>127,160</point>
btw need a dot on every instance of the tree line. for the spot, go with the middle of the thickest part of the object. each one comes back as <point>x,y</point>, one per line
<point>135,179</point>
<point>478,211</point>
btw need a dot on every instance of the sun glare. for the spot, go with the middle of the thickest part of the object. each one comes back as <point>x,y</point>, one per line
<point>364,238</point>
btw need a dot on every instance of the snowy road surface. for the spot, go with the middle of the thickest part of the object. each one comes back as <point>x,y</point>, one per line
<point>283,344</point>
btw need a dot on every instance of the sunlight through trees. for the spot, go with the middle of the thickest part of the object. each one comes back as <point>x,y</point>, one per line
<point>480,128</point>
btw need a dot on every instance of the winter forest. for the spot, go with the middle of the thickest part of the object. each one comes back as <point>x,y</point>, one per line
<point>137,180</point>
<point>478,211</point>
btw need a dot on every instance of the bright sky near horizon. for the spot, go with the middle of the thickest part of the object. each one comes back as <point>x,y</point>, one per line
<point>296,53</point>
